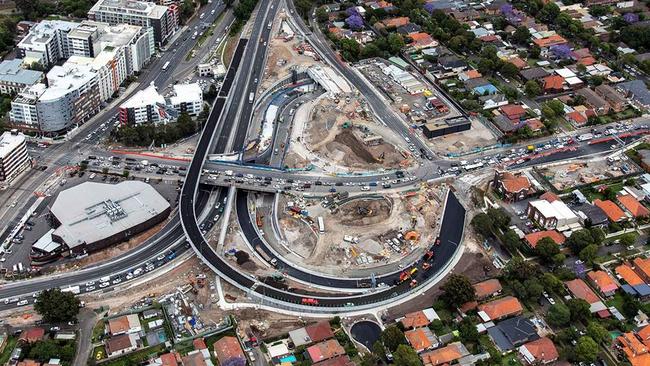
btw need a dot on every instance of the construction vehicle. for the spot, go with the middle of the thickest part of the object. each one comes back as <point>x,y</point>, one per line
<point>428,255</point>
<point>404,276</point>
<point>259,221</point>
<point>426,266</point>
<point>413,271</point>
<point>413,283</point>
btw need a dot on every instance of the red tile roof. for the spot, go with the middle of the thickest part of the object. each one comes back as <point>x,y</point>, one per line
<point>442,355</point>
<point>227,348</point>
<point>337,361</point>
<point>535,124</point>
<point>199,344</point>
<point>603,281</point>
<point>549,196</point>
<point>415,320</point>
<point>577,117</point>
<point>169,359</point>
<point>487,288</point>
<point>627,273</point>
<point>633,206</point>
<point>501,308</point>
<point>644,333</point>
<point>518,62</point>
<point>319,331</point>
<point>549,41</point>
<point>513,111</point>
<point>642,265</point>
<point>32,335</point>
<point>613,212</point>
<point>514,183</point>
<point>553,82</point>
<point>533,238</point>
<point>396,22</point>
<point>543,350</point>
<point>325,350</point>
<point>581,290</point>
<point>418,339</point>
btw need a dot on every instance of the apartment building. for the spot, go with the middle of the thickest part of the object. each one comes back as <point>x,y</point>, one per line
<point>13,155</point>
<point>162,19</point>
<point>47,42</point>
<point>14,78</point>
<point>187,98</point>
<point>148,106</point>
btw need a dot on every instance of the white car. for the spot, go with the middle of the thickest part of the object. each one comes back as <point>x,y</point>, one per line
<point>90,288</point>
<point>22,303</point>
<point>104,284</point>
<point>365,188</point>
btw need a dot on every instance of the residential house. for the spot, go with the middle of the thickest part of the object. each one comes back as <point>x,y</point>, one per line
<point>445,355</point>
<point>124,324</point>
<point>422,339</point>
<point>197,358</point>
<point>419,319</point>
<point>513,112</point>
<point>553,84</point>
<point>533,238</point>
<point>551,213</point>
<point>469,74</point>
<point>590,214</point>
<point>518,62</point>
<point>167,359</point>
<point>635,350</point>
<point>395,22</point>
<point>603,282</point>
<point>500,309</point>
<point>343,360</point>
<point>534,73</point>
<point>613,212</point>
<point>632,206</point>
<point>32,335</point>
<point>577,118</point>
<point>409,29</point>
<point>595,101</point>
<point>541,351</point>
<point>546,43</point>
<point>613,97</point>
<point>422,40</point>
<point>452,65</point>
<point>320,331</point>
<point>631,282</point>
<point>580,290</point>
<point>325,350</point>
<point>492,101</point>
<point>512,186</point>
<point>511,333</point>
<point>121,344</point>
<point>227,350</point>
<point>28,362</point>
<point>488,288</point>
<point>642,268</point>
<point>637,90</point>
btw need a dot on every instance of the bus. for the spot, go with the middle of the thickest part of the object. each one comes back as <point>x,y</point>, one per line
<point>165,66</point>
<point>321,224</point>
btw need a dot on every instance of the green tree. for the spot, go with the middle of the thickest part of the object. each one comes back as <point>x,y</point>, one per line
<point>580,309</point>
<point>395,43</point>
<point>406,356</point>
<point>511,241</point>
<point>549,12</point>
<point>628,239</point>
<point>586,350</point>
<point>558,315</point>
<point>125,173</point>
<point>552,283</point>
<point>56,306</point>
<point>509,70</point>
<point>458,290</point>
<point>579,240</point>
<point>44,350</point>
<point>393,337</point>
<point>467,330</point>
<point>321,15</point>
<point>350,49</point>
<point>589,253</point>
<point>598,333</point>
<point>546,248</point>
<point>532,88</point>
<point>482,223</point>
<point>534,288</point>
<point>521,35</point>
<point>379,350</point>
<point>499,217</point>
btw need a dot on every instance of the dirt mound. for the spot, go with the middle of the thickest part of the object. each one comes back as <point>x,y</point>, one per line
<point>347,138</point>
<point>365,212</point>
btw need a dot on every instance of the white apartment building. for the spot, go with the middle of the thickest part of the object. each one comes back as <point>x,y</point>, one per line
<point>187,98</point>
<point>162,19</point>
<point>13,155</point>
<point>148,106</point>
<point>47,42</point>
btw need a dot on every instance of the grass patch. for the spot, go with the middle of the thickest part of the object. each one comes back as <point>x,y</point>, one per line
<point>99,353</point>
<point>616,301</point>
<point>510,360</point>
<point>6,354</point>
<point>98,330</point>
<point>138,357</point>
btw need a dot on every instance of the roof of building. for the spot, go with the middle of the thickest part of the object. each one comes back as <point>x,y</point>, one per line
<point>542,350</point>
<point>631,345</point>
<point>514,183</point>
<point>557,209</point>
<point>168,359</point>
<point>144,97</point>
<point>533,238</point>
<point>343,360</point>
<point>552,40</point>
<point>28,362</point>
<point>500,308</point>
<point>118,343</point>
<point>420,338</point>
<point>644,333</point>
<point>123,323</point>
<point>513,332</point>
<point>32,334</point>
<point>66,78</point>
<point>613,212</point>
<point>44,30</point>
<point>396,22</point>
<point>579,289</point>
<point>93,211</point>
<point>627,273</point>
<point>553,82</point>
<point>487,288</point>
<point>11,71</point>
<point>143,8</point>
<point>325,350</point>
<point>444,355</point>
<point>513,111</point>
<point>633,206</point>
<point>610,94</point>
<point>577,117</point>
<point>194,358</point>
<point>592,98</point>
<point>603,281</point>
<point>415,320</point>
<point>319,331</point>
<point>534,73</point>
<point>642,265</point>
<point>518,62</point>
<point>227,348</point>
<point>186,93</point>
<point>637,89</point>
<point>9,141</point>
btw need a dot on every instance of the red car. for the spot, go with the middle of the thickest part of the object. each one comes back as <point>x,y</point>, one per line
<point>309,301</point>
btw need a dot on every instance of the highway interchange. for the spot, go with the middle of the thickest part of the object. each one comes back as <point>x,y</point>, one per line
<point>225,133</point>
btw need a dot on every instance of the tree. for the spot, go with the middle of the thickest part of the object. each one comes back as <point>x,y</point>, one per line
<point>509,70</point>
<point>598,333</point>
<point>379,350</point>
<point>395,43</point>
<point>406,356</point>
<point>589,253</point>
<point>242,257</point>
<point>56,306</point>
<point>511,241</point>
<point>628,239</point>
<point>546,248</point>
<point>532,88</point>
<point>393,337</point>
<point>558,315</point>
<point>125,173</point>
<point>321,15</point>
<point>482,223</point>
<point>499,217</point>
<point>580,309</point>
<point>350,49</point>
<point>458,290</point>
<point>586,350</point>
<point>630,306</point>
<point>552,283</point>
<point>44,350</point>
<point>549,12</point>
<point>521,35</point>
<point>534,288</point>
<point>467,330</point>
<point>579,240</point>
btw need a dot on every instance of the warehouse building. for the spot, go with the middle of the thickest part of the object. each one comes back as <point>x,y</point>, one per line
<point>446,127</point>
<point>93,216</point>
<point>13,155</point>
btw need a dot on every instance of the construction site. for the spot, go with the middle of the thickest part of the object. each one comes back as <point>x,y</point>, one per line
<point>360,234</point>
<point>566,175</point>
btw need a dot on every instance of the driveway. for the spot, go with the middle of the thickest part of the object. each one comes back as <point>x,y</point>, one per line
<point>87,320</point>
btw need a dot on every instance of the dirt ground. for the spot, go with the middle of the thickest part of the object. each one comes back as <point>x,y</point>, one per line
<point>374,222</point>
<point>564,176</point>
<point>477,136</point>
<point>327,137</point>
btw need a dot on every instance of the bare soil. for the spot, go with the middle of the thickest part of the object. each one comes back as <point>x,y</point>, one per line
<point>364,212</point>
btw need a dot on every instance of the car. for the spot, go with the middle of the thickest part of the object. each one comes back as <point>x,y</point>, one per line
<point>117,280</point>
<point>104,284</point>
<point>630,247</point>
<point>22,303</point>
<point>90,288</point>
<point>365,188</point>
<point>55,329</point>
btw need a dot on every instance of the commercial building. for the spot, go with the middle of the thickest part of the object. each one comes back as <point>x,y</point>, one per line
<point>446,127</point>
<point>14,78</point>
<point>163,20</point>
<point>13,155</point>
<point>92,216</point>
<point>551,213</point>
<point>149,106</point>
<point>47,42</point>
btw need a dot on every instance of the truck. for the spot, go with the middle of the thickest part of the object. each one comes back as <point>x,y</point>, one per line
<point>350,239</point>
<point>309,301</point>
<point>73,289</point>
<point>251,97</point>
<point>321,224</point>
<point>105,279</point>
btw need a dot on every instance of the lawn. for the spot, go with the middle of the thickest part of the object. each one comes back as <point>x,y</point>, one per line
<point>136,358</point>
<point>511,360</point>
<point>98,330</point>
<point>6,354</point>
<point>616,301</point>
<point>99,353</point>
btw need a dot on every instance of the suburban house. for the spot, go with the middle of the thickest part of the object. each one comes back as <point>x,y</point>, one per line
<point>124,324</point>
<point>540,351</point>
<point>580,290</point>
<point>488,288</point>
<point>533,238</point>
<point>632,206</point>
<point>227,349</point>
<point>419,319</point>
<point>325,350</point>
<point>500,309</point>
<point>613,212</point>
<point>121,344</point>
<point>513,186</point>
<point>422,339</point>
<point>613,97</point>
<point>602,281</point>
<point>595,101</point>
<point>512,333</point>
<point>445,355</point>
<point>551,213</point>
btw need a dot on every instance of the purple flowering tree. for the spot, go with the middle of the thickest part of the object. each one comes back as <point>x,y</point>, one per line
<point>354,19</point>
<point>631,18</point>
<point>429,7</point>
<point>562,51</point>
